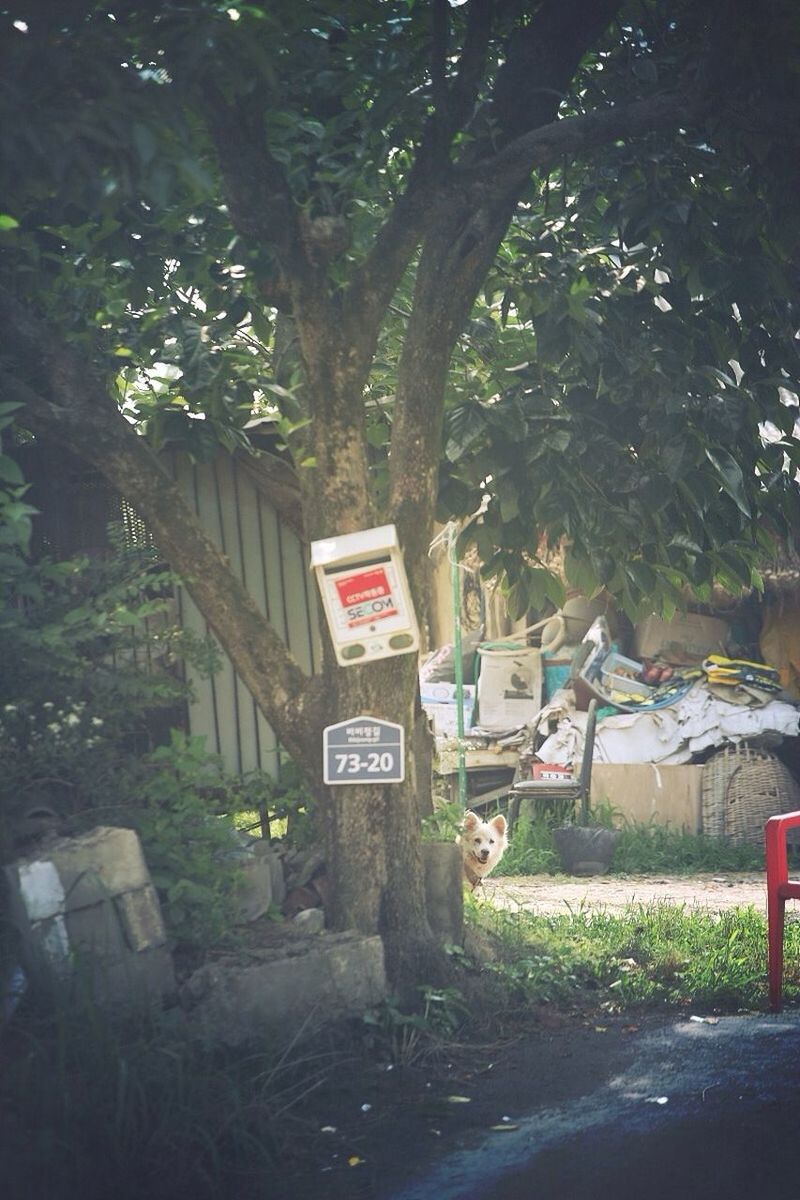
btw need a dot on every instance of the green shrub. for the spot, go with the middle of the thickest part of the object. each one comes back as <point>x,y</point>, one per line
<point>657,955</point>
<point>190,849</point>
<point>642,848</point>
<point>89,686</point>
<point>90,659</point>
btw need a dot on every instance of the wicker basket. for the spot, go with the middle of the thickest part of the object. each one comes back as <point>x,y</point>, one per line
<point>742,786</point>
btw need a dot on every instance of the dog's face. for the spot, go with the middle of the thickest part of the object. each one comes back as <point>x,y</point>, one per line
<point>482,843</point>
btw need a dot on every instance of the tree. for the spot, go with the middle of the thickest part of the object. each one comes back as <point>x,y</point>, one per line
<point>346,219</point>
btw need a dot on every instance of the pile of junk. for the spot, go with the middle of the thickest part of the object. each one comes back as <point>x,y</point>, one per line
<point>680,696</point>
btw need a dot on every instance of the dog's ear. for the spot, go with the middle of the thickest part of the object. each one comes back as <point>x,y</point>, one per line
<point>471,820</point>
<point>499,823</point>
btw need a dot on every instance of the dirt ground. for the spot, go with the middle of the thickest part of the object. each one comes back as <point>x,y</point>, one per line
<point>379,1128</point>
<point>613,893</point>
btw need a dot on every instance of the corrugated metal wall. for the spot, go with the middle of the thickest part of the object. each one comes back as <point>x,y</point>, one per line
<point>272,564</point>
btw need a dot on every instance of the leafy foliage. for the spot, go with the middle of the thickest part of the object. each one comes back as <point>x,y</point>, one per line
<point>190,849</point>
<point>630,394</point>
<point>89,656</point>
<point>654,956</point>
<point>634,333</point>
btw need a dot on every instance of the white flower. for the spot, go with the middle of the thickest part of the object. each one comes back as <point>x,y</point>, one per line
<point>72,719</point>
<point>48,704</point>
<point>9,708</point>
<point>97,722</point>
<point>54,727</point>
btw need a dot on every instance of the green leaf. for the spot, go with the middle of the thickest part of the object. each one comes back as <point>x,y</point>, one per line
<point>517,600</point>
<point>730,476</point>
<point>8,222</point>
<point>9,471</point>
<point>465,425</point>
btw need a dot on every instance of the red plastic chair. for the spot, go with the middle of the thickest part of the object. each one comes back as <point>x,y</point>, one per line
<point>780,888</point>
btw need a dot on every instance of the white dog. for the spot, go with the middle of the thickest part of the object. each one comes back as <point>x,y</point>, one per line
<point>482,845</point>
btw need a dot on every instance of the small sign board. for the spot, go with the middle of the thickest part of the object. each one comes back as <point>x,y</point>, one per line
<point>363,750</point>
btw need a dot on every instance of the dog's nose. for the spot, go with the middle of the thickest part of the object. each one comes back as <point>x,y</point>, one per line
<point>484,855</point>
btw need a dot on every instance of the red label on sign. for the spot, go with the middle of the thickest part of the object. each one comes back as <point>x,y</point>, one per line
<point>367,585</point>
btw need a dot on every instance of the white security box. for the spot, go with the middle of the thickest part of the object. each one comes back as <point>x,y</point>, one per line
<point>365,594</point>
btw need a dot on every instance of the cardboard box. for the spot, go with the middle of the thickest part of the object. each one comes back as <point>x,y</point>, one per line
<point>685,640</point>
<point>439,702</point>
<point>649,794</point>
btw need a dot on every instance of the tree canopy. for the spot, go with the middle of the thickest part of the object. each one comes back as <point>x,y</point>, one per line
<point>530,263</point>
<point>628,338</point>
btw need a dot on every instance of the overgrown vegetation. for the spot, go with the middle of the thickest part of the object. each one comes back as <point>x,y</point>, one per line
<point>91,655</point>
<point>642,849</point>
<point>657,955</point>
<point>88,1110</point>
<point>91,690</point>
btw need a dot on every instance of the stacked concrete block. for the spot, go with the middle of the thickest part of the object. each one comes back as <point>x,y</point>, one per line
<point>444,890</point>
<point>284,990</point>
<point>260,877</point>
<point>86,911</point>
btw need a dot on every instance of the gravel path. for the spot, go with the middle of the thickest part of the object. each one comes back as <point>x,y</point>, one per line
<point>549,894</point>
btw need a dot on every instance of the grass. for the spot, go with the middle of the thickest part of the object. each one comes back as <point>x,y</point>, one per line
<point>91,1110</point>
<point>641,850</point>
<point>662,956</point>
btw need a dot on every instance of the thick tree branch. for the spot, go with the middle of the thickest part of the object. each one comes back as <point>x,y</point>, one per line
<point>472,66</point>
<point>71,403</point>
<point>577,135</point>
<point>376,280</point>
<point>439,42</point>
<point>260,201</point>
<point>541,60</point>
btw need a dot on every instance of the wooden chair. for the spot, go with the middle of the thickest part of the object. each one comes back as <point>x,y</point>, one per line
<point>576,789</point>
<point>780,888</point>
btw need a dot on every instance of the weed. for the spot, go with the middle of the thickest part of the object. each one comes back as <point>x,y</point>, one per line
<point>405,1037</point>
<point>90,1109</point>
<point>642,848</point>
<point>657,955</point>
<point>652,848</point>
<point>444,822</point>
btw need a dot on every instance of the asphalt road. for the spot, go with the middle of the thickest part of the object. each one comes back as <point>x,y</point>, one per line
<point>697,1111</point>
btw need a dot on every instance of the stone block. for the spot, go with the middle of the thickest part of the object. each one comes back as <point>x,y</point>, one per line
<point>309,920</point>
<point>357,973</point>
<point>139,914</point>
<point>136,981</point>
<point>96,932</point>
<point>276,871</point>
<point>88,915</point>
<point>37,887</point>
<point>253,887</point>
<point>105,860</point>
<point>50,946</point>
<point>444,890</point>
<point>300,985</point>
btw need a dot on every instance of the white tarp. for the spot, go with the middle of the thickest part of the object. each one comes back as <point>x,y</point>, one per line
<point>671,735</point>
